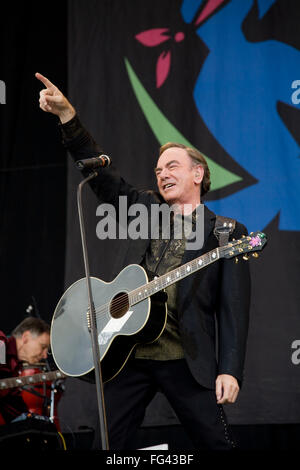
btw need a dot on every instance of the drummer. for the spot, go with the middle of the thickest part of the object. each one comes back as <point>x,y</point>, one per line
<point>29,342</point>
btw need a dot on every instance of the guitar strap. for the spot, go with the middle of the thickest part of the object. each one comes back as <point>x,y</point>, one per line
<point>224,226</point>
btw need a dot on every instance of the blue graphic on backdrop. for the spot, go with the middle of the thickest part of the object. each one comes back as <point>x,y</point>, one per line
<point>236,94</point>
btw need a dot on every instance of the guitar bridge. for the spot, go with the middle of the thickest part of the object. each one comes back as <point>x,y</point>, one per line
<point>88,318</point>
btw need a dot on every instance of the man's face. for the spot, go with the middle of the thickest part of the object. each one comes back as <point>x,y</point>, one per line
<point>33,348</point>
<point>177,180</point>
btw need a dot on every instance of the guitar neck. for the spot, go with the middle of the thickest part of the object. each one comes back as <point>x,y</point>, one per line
<point>173,276</point>
<point>20,381</point>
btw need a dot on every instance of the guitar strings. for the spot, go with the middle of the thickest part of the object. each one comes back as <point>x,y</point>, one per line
<point>117,304</point>
<point>124,299</point>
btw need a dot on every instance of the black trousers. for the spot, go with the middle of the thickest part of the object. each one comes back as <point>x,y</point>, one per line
<point>130,392</point>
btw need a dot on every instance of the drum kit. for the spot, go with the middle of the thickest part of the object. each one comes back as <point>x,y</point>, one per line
<point>39,427</point>
<point>42,399</point>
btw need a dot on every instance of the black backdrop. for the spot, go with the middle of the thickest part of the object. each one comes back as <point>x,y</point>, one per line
<point>33,163</point>
<point>40,244</point>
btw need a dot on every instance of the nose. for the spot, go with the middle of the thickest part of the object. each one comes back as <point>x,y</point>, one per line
<point>164,173</point>
<point>45,354</point>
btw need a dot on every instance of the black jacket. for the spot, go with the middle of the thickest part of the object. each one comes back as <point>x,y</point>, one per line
<point>213,303</point>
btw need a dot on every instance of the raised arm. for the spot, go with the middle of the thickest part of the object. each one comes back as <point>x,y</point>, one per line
<point>53,101</point>
<point>109,185</point>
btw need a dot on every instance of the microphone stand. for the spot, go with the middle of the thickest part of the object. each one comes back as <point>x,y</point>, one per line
<point>93,322</point>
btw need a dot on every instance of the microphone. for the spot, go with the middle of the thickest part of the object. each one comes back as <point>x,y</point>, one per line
<point>95,162</point>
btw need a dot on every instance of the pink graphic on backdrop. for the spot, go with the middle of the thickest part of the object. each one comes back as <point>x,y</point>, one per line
<point>162,68</point>
<point>207,10</point>
<point>154,37</point>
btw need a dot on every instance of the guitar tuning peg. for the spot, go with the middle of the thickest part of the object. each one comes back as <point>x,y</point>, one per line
<point>236,260</point>
<point>255,255</point>
<point>245,257</point>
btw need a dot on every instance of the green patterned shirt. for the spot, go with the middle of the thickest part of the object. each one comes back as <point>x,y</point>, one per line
<point>163,256</point>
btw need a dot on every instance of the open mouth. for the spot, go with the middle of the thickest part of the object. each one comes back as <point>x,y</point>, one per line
<point>168,185</point>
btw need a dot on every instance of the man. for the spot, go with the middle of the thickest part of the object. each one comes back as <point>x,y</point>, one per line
<point>182,361</point>
<point>28,343</point>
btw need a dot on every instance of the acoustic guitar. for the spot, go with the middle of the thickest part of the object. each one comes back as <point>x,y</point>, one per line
<point>124,317</point>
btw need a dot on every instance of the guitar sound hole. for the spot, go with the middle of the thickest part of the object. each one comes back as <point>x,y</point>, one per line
<point>119,305</point>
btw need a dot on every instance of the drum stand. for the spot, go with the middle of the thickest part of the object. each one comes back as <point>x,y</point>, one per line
<point>54,389</point>
<point>48,407</point>
<point>52,402</point>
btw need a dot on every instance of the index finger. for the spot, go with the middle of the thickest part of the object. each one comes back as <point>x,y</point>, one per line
<point>44,80</point>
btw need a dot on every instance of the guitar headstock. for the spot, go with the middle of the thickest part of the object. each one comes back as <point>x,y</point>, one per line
<point>252,243</point>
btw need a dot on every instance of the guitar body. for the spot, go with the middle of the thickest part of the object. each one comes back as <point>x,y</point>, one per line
<point>120,326</point>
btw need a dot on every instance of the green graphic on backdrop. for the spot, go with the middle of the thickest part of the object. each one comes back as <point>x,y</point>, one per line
<point>164,131</point>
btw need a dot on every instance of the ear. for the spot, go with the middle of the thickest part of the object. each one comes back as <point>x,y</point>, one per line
<point>199,173</point>
<point>25,337</point>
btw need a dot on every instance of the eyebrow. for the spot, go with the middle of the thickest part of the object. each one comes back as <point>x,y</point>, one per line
<point>168,164</point>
